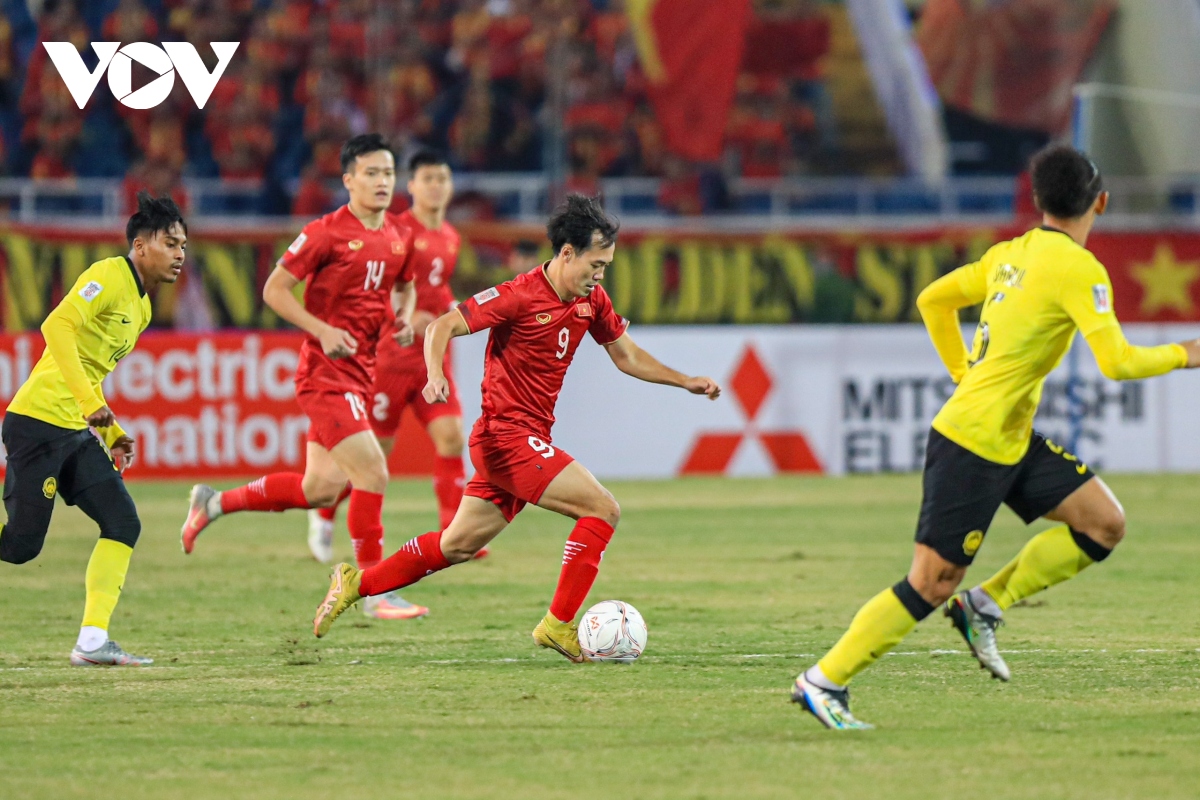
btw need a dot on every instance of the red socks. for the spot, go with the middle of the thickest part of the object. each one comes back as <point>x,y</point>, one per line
<point>449,478</point>
<point>419,557</point>
<point>581,563</point>
<point>328,514</point>
<point>277,492</point>
<point>365,522</point>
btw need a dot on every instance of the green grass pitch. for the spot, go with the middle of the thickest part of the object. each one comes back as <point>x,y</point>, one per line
<point>742,583</point>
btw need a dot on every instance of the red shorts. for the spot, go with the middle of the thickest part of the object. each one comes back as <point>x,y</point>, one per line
<point>395,390</point>
<point>333,415</point>
<point>513,468</point>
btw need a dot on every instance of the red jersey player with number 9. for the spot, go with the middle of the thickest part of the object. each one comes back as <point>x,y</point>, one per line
<point>536,323</point>
<point>357,264</point>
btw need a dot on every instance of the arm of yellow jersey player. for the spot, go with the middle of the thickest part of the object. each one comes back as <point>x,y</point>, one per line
<point>60,330</point>
<point>939,304</point>
<point>1086,295</point>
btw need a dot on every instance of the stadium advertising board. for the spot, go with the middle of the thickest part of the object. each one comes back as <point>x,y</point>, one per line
<point>656,277</point>
<point>832,399</point>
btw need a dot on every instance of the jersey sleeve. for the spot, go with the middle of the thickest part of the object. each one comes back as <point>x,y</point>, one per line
<point>491,307</point>
<point>607,325</point>
<point>308,252</point>
<point>1086,295</point>
<point>96,291</point>
<point>939,304</point>
<point>1120,361</point>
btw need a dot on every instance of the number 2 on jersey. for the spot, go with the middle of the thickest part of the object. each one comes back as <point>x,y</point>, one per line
<point>374,274</point>
<point>564,341</point>
<point>436,271</point>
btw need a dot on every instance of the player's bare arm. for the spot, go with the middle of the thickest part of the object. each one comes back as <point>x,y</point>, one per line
<point>437,339</point>
<point>278,294</point>
<point>636,362</point>
<point>404,303</point>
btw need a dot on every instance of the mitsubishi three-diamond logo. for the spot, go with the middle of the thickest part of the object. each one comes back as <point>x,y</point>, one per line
<point>713,452</point>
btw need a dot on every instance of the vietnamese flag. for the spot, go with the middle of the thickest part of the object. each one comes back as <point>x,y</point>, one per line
<point>690,51</point>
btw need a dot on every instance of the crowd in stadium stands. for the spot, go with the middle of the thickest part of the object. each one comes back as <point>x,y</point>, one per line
<point>469,77</point>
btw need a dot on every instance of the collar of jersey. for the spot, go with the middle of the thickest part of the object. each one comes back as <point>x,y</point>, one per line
<point>1052,229</point>
<point>136,278</point>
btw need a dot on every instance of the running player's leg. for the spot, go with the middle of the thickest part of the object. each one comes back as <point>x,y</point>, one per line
<point>361,460</point>
<point>110,506</point>
<point>449,476</point>
<point>477,522</point>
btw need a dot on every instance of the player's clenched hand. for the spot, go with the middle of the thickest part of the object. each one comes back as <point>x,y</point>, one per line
<point>101,417</point>
<point>122,452</point>
<point>337,343</point>
<point>1193,353</point>
<point>705,386</point>
<point>437,390</point>
<point>404,333</point>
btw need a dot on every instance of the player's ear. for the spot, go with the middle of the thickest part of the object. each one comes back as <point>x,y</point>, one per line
<point>1101,203</point>
<point>567,252</point>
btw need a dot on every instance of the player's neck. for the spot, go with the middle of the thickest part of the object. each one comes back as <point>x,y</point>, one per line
<point>1078,229</point>
<point>431,218</point>
<point>553,273</point>
<point>148,283</point>
<point>371,220</point>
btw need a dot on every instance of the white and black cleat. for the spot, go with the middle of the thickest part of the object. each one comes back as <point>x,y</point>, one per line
<point>831,708</point>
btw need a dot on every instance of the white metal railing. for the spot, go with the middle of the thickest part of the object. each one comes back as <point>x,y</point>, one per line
<point>787,201</point>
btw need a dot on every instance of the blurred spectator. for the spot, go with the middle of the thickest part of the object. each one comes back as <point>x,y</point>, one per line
<point>523,257</point>
<point>157,178</point>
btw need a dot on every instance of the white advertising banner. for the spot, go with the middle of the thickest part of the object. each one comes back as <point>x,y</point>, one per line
<point>836,399</point>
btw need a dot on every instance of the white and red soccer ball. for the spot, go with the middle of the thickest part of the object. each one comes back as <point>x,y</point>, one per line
<point>612,631</point>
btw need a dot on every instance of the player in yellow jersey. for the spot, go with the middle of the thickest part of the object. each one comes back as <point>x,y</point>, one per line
<point>1036,290</point>
<point>46,430</point>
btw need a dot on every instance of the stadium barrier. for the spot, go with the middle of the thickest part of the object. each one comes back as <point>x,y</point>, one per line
<point>818,399</point>
<point>675,276</point>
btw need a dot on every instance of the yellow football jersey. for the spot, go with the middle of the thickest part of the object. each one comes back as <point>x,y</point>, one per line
<point>1037,290</point>
<point>115,309</point>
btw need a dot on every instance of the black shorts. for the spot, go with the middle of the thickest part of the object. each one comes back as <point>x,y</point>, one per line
<point>45,460</point>
<point>962,492</point>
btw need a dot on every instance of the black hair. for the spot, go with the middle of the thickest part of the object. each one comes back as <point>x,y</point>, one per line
<point>526,247</point>
<point>153,216</point>
<point>361,145</point>
<point>426,158</point>
<point>1065,181</point>
<point>576,220</point>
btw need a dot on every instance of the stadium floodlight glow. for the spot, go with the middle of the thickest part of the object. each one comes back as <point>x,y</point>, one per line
<point>165,60</point>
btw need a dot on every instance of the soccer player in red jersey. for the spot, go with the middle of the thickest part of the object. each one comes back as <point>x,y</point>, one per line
<point>536,323</point>
<point>399,370</point>
<point>359,272</point>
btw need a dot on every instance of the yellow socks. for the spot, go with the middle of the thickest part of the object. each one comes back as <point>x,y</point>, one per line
<point>1051,557</point>
<point>877,627</point>
<point>105,576</point>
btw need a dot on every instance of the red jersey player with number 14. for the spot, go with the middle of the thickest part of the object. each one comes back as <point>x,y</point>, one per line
<point>536,323</point>
<point>359,282</point>
<point>400,370</point>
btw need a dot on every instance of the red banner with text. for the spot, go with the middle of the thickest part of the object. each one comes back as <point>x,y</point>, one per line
<point>209,406</point>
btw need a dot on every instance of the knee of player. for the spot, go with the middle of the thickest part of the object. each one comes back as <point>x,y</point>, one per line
<point>126,530</point>
<point>1112,526</point>
<point>450,444</point>
<point>320,494</point>
<point>19,554</point>
<point>608,509</point>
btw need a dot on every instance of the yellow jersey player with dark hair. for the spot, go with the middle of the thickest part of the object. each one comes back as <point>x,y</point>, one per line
<point>51,450</point>
<point>1036,291</point>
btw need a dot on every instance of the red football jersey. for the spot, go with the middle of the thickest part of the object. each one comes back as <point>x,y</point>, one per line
<point>533,340</point>
<point>350,272</point>
<point>435,254</point>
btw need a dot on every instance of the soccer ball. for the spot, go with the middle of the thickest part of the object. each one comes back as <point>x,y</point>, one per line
<point>612,631</point>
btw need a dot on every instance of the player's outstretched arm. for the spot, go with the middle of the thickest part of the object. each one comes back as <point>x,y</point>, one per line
<point>437,339</point>
<point>633,360</point>
<point>1120,361</point>
<point>278,294</point>
<point>939,304</point>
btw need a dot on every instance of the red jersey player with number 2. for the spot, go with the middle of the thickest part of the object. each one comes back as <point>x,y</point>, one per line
<point>536,323</point>
<point>400,370</point>
<point>359,272</point>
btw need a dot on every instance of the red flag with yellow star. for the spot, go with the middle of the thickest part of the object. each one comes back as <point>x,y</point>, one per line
<point>690,51</point>
<point>1155,277</point>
